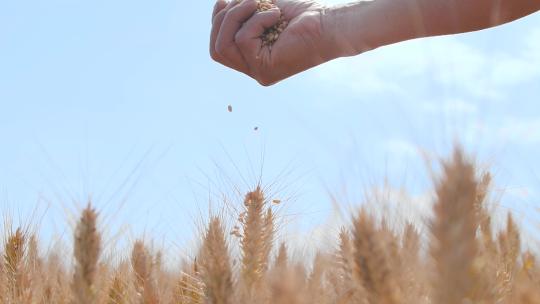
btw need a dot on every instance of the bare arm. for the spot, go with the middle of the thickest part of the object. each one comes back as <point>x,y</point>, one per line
<point>316,34</point>
<point>362,26</point>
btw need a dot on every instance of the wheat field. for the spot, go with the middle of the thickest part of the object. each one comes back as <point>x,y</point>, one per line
<point>463,259</point>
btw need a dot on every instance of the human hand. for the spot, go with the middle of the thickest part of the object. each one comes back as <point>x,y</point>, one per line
<point>237,27</point>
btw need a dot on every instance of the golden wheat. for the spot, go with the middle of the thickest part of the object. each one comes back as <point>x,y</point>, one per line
<point>271,35</point>
<point>16,274</point>
<point>458,258</point>
<point>216,268</point>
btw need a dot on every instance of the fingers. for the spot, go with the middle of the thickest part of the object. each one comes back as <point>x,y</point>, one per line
<point>248,37</point>
<point>225,44</point>
<point>221,14</point>
<point>217,20</point>
<point>218,7</point>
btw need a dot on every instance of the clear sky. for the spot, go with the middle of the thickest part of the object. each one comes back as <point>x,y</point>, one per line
<point>119,100</point>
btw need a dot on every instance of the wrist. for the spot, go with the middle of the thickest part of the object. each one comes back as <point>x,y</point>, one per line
<point>358,27</point>
<point>342,31</point>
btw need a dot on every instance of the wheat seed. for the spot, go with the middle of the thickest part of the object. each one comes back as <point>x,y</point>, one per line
<point>271,35</point>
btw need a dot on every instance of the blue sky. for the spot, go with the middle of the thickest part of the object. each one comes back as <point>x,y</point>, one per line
<point>121,101</point>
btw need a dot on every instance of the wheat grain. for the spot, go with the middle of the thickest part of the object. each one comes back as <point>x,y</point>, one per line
<point>271,35</point>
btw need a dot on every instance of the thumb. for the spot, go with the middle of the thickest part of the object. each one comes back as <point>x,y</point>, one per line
<point>248,38</point>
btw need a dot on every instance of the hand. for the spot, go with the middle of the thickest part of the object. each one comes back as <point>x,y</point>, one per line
<point>235,39</point>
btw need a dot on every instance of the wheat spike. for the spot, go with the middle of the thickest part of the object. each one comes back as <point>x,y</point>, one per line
<point>345,258</point>
<point>389,240</point>
<point>34,268</point>
<point>461,259</point>
<point>282,258</point>
<point>57,282</point>
<point>215,264</point>
<point>509,250</point>
<point>87,248</point>
<point>189,289</point>
<point>345,288</point>
<point>372,267</point>
<point>483,215</point>
<point>17,277</point>
<point>510,243</point>
<point>253,241</point>
<point>141,262</point>
<point>412,281</point>
<point>268,238</point>
<point>453,246</point>
<point>288,286</point>
<point>316,280</point>
<point>411,243</point>
<point>3,283</point>
<point>117,291</point>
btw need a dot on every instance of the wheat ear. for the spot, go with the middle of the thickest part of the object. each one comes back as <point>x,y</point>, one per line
<point>282,257</point>
<point>189,289</point>
<point>17,280</point>
<point>215,264</point>
<point>141,261</point>
<point>252,243</point>
<point>117,291</point>
<point>87,248</point>
<point>372,267</point>
<point>453,246</point>
<point>509,248</point>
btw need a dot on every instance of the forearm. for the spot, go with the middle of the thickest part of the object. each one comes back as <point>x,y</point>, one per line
<point>365,25</point>
<point>458,16</point>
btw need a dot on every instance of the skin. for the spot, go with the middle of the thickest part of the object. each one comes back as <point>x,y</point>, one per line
<point>317,34</point>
